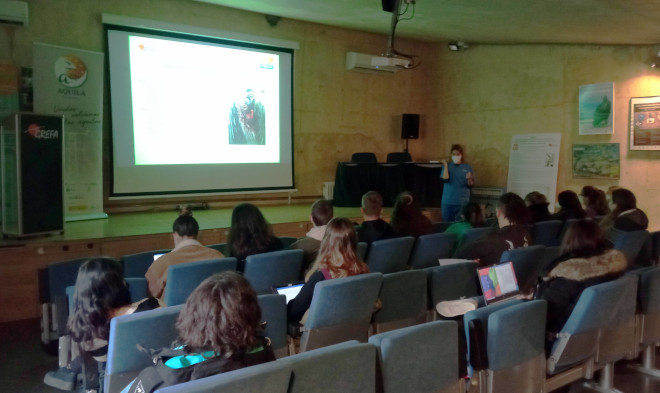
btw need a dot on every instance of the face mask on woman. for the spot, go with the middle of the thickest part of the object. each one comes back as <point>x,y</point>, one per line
<point>456,158</point>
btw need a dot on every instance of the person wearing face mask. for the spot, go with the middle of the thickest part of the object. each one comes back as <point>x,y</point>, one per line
<point>457,177</point>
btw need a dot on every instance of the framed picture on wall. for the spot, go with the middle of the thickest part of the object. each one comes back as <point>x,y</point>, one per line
<point>596,161</point>
<point>596,108</point>
<point>645,123</point>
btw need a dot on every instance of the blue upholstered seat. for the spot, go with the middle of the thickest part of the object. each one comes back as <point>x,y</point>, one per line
<point>473,235</point>
<point>270,269</point>
<point>546,233</point>
<point>526,264</point>
<point>419,359</point>
<point>348,367</point>
<point>441,226</point>
<point>152,329</point>
<point>273,312</point>
<point>136,265</point>
<point>287,241</point>
<point>362,250</point>
<point>220,247</point>
<point>59,276</point>
<point>404,299</point>
<point>429,248</point>
<point>648,327</point>
<point>452,282</point>
<point>390,255</point>
<point>341,310</point>
<point>183,278</point>
<point>630,243</point>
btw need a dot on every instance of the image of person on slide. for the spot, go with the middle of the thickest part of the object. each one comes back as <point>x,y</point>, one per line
<point>247,121</point>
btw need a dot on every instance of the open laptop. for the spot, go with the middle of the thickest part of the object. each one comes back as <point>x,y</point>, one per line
<point>498,282</point>
<point>289,290</point>
<point>156,256</point>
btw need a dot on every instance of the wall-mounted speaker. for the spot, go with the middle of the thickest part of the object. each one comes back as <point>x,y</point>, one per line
<point>410,126</point>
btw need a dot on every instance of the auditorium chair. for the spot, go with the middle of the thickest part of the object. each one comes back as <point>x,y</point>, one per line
<point>648,320</point>
<point>567,224</point>
<point>153,329</point>
<point>546,233</point>
<point>526,265</point>
<point>404,298</point>
<point>419,359</point>
<point>183,278</point>
<point>220,247</point>
<point>399,157</point>
<point>471,236</point>
<point>348,367</point>
<point>441,226</point>
<point>549,255</point>
<point>136,265</point>
<point>287,241</point>
<point>655,247</point>
<point>136,286</point>
<point>362,248</point>
<point>630,243</point>
<point>507,346</point>
<point>341,310</point>
<point>452,282</point>
<point>364,157</point>
<point>273,269</point>
<point>273,314</point>
<point>429,248</point>
<point>390,255</point>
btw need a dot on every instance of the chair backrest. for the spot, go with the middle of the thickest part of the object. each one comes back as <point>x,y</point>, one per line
<point>567,224</point>
<point>649,305</point>
<point>136,265</point>
<point>578,338</point>
<point>287,241</point>
<point>441,226</point>
<point>136,286</point>
<point>429,248</point>
<point>183,278</point>
<point>549,255</point>
<point>270,269</point>
<point>341,310</point>
<point>273,312</point>
<point>546,233</point>
<point>152,329</point>
<point>474,234</point>
<point>526,264</point>
<point>362,250</point>
<point>655,247</point>
<point>349,367</point>
<point>364,157</point>
<point>422,358</point>
<point>452,282</point>
<point>399,156</point>
<point>404,298</point>
<point>272,377</point>
<point>515,347</point>
<point>390,255</point>
<point>631,243</point>
<point>221,247</point>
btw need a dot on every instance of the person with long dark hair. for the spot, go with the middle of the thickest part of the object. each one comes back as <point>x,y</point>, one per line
<point>586,258</point>
<point>569,206</point>
<point>407,218</point>
<point>337,258</point>
<point>537,204</point>
<point>186,249</point>
<point>595,202</point>
<point>625,215</point>
<point>219,330</point>
<point>473,217</point>
<point>249,234</point>
<point>101,293</point>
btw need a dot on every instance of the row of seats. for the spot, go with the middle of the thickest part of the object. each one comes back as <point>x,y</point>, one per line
<point>505,340</point>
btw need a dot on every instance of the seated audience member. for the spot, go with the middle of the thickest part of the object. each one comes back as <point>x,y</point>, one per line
<point>473,217</point>
<point>249,234</point>
<point>100,295</point>
<point>337,258</point>
<point>595,202</point>
<point>608,194</point>
<point>569,206</point>
<point>513,219</point>
<point>219,330</point>
<point>537,204</point>
<point>586,259</point>
<point>625,215</point>
<point>373,227</point>
<point>322,212</point>
<point>407,218</point>
<point>186,249</point>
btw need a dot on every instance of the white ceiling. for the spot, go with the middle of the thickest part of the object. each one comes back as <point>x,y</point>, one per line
<point>625,22</point>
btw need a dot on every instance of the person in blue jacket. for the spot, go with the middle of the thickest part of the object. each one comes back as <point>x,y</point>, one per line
<point>457,177</point>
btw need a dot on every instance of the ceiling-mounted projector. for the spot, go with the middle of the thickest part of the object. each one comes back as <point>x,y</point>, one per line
<point>363,62</point>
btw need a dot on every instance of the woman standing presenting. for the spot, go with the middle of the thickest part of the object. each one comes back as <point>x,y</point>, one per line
<point>457,177</point>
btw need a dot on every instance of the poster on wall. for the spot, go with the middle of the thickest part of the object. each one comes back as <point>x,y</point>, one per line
<point>533,164</point>
<point>596,108</point>
<point>645,123</point>
<point>69,82</point>
<point>8,89</point>
<point>596,161</point>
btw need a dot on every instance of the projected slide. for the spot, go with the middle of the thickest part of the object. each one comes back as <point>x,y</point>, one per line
<point>230,97</point>
<point>196,114</point>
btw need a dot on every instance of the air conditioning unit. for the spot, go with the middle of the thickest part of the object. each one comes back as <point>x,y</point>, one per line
<point>14,13</point>
<point>363,62</point>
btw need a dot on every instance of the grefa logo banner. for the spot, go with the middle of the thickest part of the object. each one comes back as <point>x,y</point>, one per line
<point>40,132</point>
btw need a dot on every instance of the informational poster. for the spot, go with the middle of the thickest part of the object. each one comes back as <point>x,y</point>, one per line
<point>533,164</point>
<point>8,89</point>
<point>69,82</point>
<point>596,107</point>
<point>645,123</point>
<point>596,161</point>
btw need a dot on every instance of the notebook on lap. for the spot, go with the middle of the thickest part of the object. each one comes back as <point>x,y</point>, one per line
<point>498,283</point>
<point>289,290</point>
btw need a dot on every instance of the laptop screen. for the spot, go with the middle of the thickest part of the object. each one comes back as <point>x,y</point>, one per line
<point>156,256</point>
<point>498,281</point>
<point>290,291</point>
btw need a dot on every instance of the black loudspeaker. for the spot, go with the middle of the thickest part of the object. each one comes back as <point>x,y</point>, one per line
<point>388,5</point>
<point>410,126</point>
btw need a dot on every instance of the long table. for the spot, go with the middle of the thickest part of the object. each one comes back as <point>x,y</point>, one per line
<point>352,180</point>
